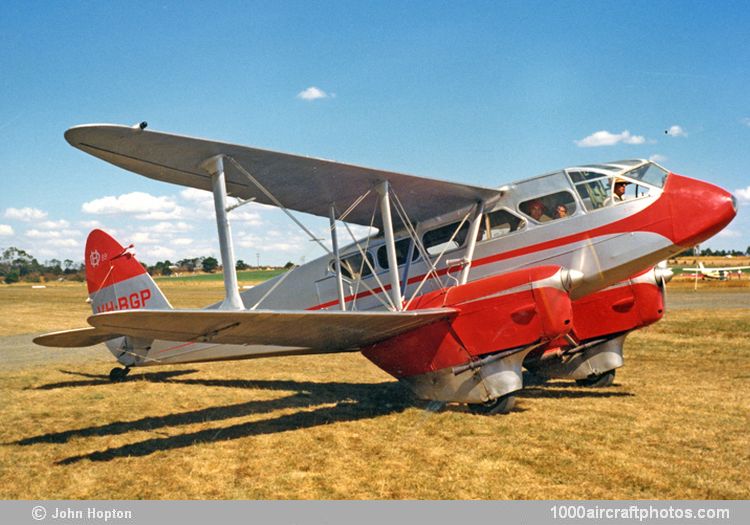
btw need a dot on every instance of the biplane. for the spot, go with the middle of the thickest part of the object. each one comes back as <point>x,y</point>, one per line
<point>459,289</point>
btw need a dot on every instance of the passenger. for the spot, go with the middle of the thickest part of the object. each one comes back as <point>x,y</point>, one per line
<point>537,211</point>
<point>618,194</point>
<point>561,211</point>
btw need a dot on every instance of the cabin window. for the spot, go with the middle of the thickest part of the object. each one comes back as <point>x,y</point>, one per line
<point>551,207</point>
<point>594,188</point>
<point>438,240</point>
<point>402,252</point>
<point>498,223</point>
<point>352,265</point>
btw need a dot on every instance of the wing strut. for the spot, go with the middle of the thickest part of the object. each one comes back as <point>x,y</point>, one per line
<point>390,245</point>
<point>337,259</point>
<point>215,167</point>
<point>473,234</point>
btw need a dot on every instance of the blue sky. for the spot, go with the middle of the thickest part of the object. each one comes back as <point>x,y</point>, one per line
<point>480,92</point>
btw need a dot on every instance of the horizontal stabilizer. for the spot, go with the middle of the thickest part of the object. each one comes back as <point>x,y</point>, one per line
<point>76,338</point>
<point>320,330</point>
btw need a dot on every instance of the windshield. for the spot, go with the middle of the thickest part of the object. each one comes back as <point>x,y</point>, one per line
<point>650,174</point>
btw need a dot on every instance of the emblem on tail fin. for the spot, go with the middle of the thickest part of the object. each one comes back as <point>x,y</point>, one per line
<point>95,257</point>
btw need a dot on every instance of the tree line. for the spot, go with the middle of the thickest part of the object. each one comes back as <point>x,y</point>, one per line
<point>19,265</point>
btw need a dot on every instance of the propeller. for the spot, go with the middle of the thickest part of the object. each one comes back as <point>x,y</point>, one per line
<point>663,274</point>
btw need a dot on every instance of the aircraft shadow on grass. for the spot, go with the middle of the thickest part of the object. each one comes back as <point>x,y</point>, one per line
<point>342,402</point>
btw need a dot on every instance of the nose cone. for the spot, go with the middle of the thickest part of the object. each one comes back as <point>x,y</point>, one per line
<point>699,210</point>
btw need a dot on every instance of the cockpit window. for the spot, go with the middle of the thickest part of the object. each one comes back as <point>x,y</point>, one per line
<point>550,207</point>
<point>650,174</point>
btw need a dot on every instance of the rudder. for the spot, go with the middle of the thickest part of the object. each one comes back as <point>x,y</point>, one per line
<point>115,278</point>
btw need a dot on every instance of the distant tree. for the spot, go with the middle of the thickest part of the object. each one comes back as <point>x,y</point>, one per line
<point>289,265</point>
<point>53,266</point>
<point>68,266</point>
<point>241,265</point>
<point>11,277</point>
<point>747,252</point>
<point>209,264</point>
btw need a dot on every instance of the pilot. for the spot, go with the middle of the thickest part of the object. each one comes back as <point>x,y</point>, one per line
<point>536,210</point>
<point>561,211</point>
<point>618,194</point>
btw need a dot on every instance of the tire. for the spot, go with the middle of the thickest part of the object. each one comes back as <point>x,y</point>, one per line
<point>600,381</point>
<point>501,405</point>
<point>118,374</point>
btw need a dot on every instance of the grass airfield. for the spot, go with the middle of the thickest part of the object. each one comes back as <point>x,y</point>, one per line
<point>674,425</point>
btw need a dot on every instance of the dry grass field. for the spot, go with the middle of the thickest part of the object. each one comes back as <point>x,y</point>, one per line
<point>675,424</point>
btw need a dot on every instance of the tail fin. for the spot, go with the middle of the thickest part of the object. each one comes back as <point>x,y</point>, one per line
<point>700,265</point>
<point>116,280</point>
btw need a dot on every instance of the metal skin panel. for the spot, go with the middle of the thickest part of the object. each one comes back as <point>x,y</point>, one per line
<point>483,384</point>
<point>497,313</point>
<point>593,361</point>
<point>293,179</point>
<point>321,331</point>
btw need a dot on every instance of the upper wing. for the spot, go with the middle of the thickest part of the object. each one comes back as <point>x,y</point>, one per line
<point>300,183</point>
<point>319,330</point>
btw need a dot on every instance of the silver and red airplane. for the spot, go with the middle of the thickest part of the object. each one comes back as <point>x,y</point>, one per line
<point>460,288</point>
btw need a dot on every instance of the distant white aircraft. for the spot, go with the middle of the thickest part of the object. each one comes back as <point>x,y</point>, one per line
<point>721,274</point>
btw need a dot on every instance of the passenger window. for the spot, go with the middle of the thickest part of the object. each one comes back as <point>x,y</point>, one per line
<point>437,240</point>
<point>402,252</point>
<point>499,223</point>
<point>558,205</point>
<point>352,265</point>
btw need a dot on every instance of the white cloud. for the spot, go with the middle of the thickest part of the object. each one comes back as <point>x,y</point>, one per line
<point>196,195</point>
<point>25,214</point>
<point>53,225</point>
<point>168,227</point>
<point>143,238</point>
<point>657,158</point>
<point>5,230</point>
<point>156,253</point>
<point>182,241</point>
<point>145,205</point>
<point>605,138</point>
<point>676,131</point>
<point>746,121</point>
<point>729,234</point>
<point>90,224</point>
<point>63,243</point>
<point>51,234</point>
<point>743,195</point>
<point>312,93</point>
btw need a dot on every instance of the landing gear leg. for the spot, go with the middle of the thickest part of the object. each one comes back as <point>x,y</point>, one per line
<point>598,381</point>
<point>501,405</point>
<point>118,374</point>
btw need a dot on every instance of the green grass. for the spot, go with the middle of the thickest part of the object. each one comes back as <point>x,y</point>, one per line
<point>674,425</point>
<point>253,276</point>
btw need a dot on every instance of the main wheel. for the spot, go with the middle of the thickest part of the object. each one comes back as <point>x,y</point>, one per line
<point>599,381</point>
<point>118,374</point>
<point>500,405</point>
